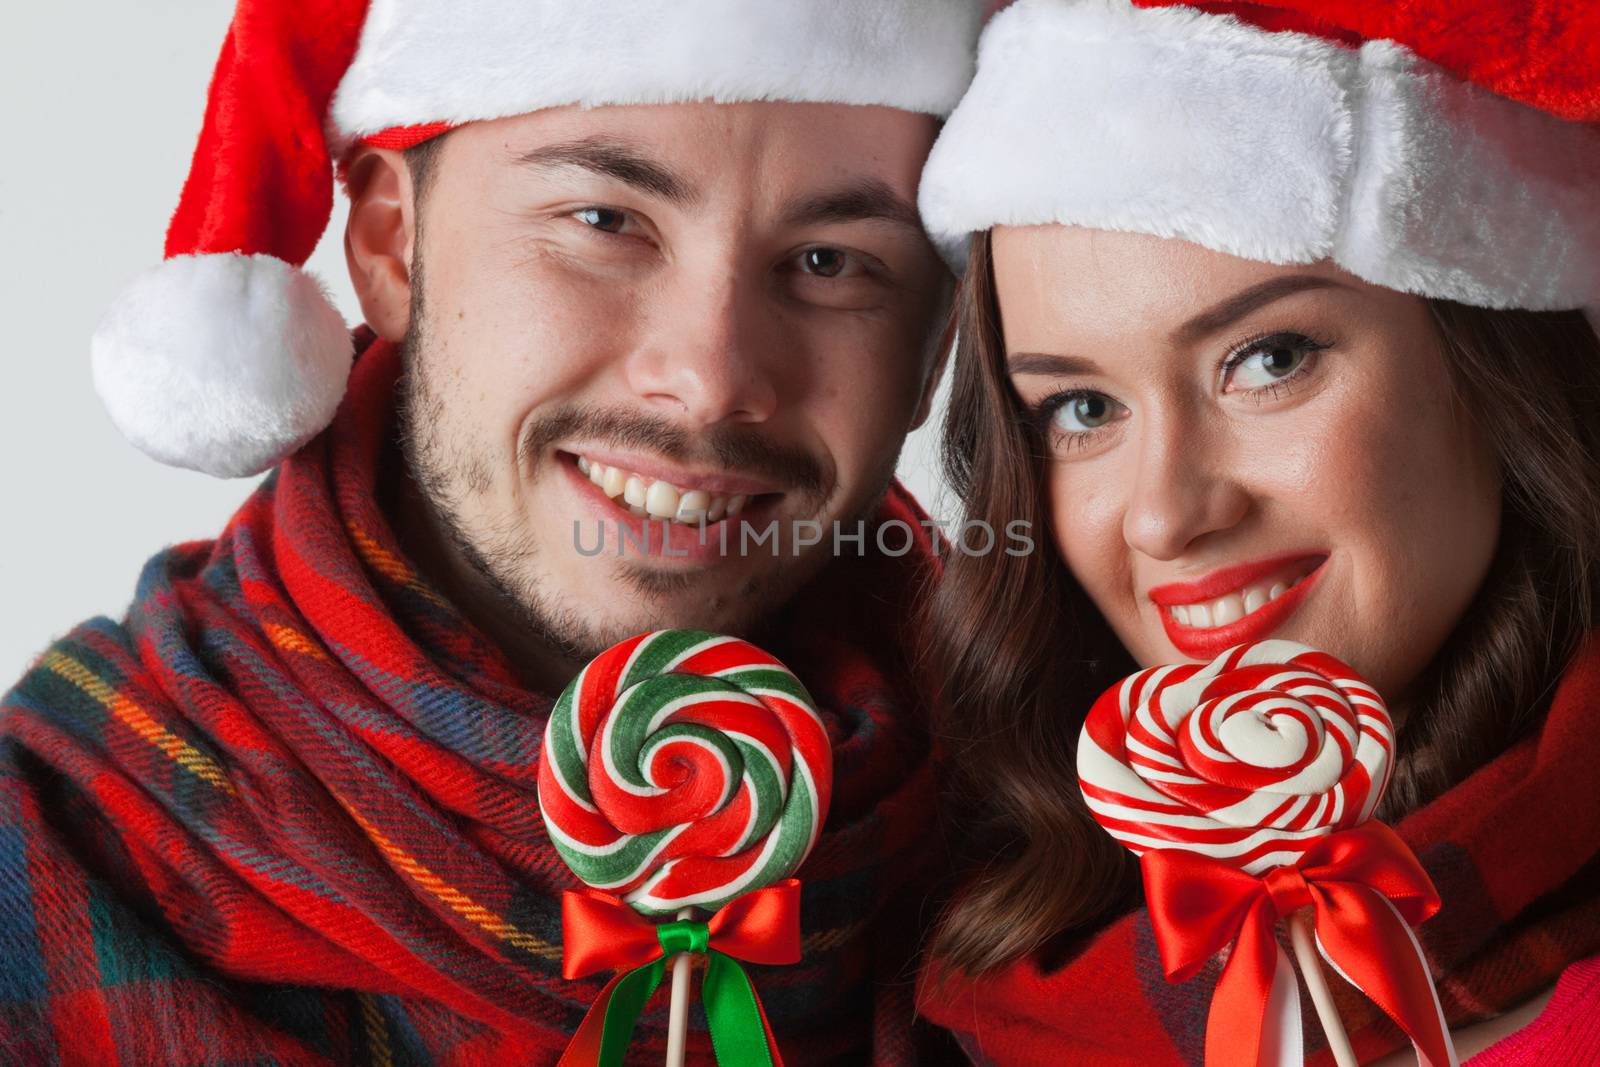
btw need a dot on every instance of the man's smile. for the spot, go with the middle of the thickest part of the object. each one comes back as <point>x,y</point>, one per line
<point>675,522</point>
<point>649,487</point>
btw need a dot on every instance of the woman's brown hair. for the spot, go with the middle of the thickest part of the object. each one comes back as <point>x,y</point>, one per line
<point>1021,652</point>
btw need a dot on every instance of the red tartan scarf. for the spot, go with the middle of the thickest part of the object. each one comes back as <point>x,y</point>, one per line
<point>285,812</point>
<point>1514,852</point>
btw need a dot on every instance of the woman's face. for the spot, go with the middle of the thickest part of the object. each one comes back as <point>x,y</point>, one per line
<point>1240,451</point>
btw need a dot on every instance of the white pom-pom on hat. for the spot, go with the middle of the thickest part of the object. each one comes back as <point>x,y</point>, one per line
<point>227,357</point>
<point>221,363</point>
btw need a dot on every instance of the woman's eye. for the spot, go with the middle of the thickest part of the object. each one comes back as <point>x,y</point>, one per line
<point>605,219</point>
<point>1085,413</point>
<point>1268,362</point>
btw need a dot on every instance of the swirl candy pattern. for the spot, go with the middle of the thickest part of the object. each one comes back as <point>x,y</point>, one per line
<point>1249,759</point>
<point>682,769</point>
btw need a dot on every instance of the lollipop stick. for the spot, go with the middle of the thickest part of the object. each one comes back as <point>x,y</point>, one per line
<point>678,1012</point>
<point>1305,951</point>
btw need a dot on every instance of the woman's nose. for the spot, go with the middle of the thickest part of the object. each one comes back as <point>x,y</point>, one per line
<point>1184,488</point>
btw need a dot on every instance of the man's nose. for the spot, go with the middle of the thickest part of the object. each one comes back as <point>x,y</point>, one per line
<point>1185,487</point>
<point>709,356</point>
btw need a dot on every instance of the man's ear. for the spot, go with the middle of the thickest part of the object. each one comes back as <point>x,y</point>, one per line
<point>379,239</point>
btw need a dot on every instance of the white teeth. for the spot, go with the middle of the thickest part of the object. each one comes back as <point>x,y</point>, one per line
<point>661,500</point>
<point>658,499</point>
<point>1230,608</point>
<point>692,506</point>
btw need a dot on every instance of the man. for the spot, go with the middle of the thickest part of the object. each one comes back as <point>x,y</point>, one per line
<point>614,257</point>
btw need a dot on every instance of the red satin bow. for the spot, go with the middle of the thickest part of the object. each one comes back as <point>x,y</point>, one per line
<point>602,933</point>
<point>1364,886</point>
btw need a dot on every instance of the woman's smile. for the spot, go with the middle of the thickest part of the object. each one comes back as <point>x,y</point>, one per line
<point>1235,604</point>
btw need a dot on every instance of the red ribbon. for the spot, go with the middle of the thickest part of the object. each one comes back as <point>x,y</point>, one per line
<point>1364,887</point>
<point>600,932</point>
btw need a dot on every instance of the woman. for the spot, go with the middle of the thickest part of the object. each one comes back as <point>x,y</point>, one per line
<point>1227,342</point>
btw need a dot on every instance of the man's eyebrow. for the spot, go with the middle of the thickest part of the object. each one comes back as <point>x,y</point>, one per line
<point>867,200</point>
<point>617,160</point>
<point>1226,312</point>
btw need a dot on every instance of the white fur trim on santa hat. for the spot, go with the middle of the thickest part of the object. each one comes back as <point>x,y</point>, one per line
<point>222,363</point>
<point>424,61</point>
<point>1278,147</point>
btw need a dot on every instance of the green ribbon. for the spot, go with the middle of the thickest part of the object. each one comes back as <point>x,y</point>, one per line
<point>738,1032</point>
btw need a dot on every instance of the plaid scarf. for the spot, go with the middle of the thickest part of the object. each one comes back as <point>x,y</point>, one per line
<point>285,812</point>
<point>1514,852</point>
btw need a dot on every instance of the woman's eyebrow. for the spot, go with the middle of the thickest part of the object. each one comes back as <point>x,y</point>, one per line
<point>1226,312</point>
<point>1217,317</point>
<point>1047,363</point>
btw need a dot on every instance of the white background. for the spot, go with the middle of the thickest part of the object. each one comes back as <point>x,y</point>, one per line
<point>103,103</point>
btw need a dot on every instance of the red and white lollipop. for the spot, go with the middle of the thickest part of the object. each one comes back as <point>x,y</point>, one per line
<point>1247,786</point>
<point>1249,759</point>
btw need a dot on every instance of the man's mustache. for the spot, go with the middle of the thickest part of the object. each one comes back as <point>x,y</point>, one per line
<point>726,447</point>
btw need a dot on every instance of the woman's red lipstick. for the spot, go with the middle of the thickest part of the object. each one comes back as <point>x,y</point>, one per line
<point>1207,642</point>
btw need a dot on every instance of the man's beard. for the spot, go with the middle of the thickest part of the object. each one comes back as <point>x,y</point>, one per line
<point>449,473</point>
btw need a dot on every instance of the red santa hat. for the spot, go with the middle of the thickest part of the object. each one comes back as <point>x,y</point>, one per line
<point>227,356</point>
<point>1379,135</point>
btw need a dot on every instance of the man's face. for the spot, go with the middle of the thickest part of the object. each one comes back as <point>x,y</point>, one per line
<point>716,314</point>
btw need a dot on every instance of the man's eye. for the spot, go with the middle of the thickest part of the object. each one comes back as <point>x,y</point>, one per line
<point>827,263</point>
<point>605,219</point>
